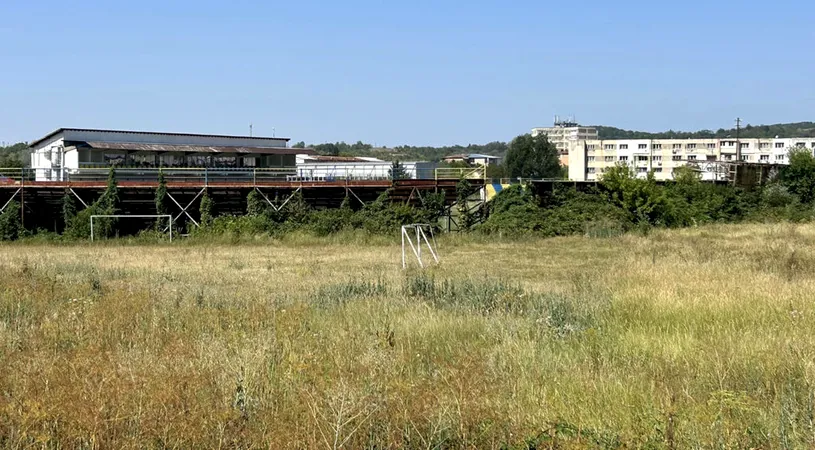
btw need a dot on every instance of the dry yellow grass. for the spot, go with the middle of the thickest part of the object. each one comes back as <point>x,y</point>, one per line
<point>680,338</point>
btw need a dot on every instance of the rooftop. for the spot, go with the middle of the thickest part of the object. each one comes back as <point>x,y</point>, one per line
<point>60,130</point>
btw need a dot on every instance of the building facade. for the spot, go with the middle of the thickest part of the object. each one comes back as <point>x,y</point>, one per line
<point>588,159</point>
<point>565,135</point>
<point>331,168</point>
<point>67,150</point>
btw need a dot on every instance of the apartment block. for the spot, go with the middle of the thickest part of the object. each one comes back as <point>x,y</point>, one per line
<point>565,134</point>
<point>588,159</point>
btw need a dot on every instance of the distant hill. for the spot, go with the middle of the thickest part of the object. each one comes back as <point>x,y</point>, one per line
<point>798,129</point>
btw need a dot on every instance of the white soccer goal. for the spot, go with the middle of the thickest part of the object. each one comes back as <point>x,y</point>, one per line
<point>418,230</point>
<point>134,216</point>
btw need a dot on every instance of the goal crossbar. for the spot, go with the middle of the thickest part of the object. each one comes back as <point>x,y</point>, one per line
<point>133,216</point>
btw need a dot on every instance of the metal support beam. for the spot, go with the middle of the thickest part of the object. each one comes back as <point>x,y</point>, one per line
<point>287,199</point>
<point>265,197</point>
<point>184,208</point>
<point>78,197</point>
<point>9,200</point>
<point>355,196</point>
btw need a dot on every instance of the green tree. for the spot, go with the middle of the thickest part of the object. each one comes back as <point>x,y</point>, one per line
<point>532,157</point>
<point>328,149</point>
<point>68,209</point>
<point>799,175</point>
<point>397,171</point>
<point>641,198</point>
<point>300,144</point>
<point>11,225</point>
<point>161,199</point>
<point>255,204</point>
<point>466,219</point>
<point>108,204</point>
<point>206,209</point>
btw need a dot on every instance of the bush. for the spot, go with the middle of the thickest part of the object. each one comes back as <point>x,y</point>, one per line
<point>515,211</point>
<point>11,225</point>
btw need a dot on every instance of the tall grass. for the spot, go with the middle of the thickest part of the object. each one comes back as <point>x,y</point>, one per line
<point>689,338</point>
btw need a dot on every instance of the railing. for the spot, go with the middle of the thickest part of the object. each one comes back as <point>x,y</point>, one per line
<point>207,175</point>
<point>458,173</point>
<point>16,175</point>
<point>189,175</point>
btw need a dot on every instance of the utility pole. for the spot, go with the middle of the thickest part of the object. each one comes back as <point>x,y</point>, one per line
<point>738,142</point>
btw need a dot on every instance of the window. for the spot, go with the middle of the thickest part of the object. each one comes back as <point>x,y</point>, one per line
<point>764,158</point>
<point>609,146</point>
<point>779,145</point>
<point>142,160</point>
<point>609,159</point>
<point>658,170</point>
<point>656,158</point>
<point>225,161</point>
<point>623,158</point>
<point>657,146</point>
<point>114,159</point>
<point>813,145</point>
<point>642,158</point>
<point>711,145</point>
<point>745,145</point>
<point>690,146</point>
<point>642,146</point>
<point>728,157</point>
<point>801,144</point>
<point>642,169</point>
<point>728,143</point>
<point>764,145</point>
<point>779,157</point>
<point>198,160</point>
<point>711,157</point>
<point>591,158</point>
<point>591,170</point>
<point>677,146</point>
<point>623,146</point>
<point>591,147</point>
<point>691,157</point>
<point>745,157</point>
<point>676,158</point>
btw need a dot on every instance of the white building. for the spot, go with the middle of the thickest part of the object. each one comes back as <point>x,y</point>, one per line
<point>564,135</point>
<point>588,159</point>
<point>64,151</point>
<point>477,159</point>
<point>330,168</point>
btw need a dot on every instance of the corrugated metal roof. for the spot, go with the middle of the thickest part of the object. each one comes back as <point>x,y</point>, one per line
<point>197,148</point>
<point>59,130</point>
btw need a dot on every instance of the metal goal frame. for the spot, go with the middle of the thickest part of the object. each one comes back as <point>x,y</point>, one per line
<point>418,230</point>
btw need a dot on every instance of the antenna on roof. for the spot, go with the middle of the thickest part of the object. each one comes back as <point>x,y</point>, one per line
<point>250,130</point>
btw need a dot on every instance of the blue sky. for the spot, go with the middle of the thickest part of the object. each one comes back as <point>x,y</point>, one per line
<point>392,73</point>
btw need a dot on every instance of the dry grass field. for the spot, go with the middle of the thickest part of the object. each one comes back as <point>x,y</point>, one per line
<point>692,338</point>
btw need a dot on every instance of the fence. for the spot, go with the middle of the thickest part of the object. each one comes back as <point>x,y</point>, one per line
<point>458,173</point>
<point>207,175</point>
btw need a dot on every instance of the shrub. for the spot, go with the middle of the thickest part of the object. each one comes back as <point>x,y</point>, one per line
<point>11,225</point>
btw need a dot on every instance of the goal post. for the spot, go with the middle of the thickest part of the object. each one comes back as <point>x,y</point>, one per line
<point>133,216</point>
<point>418,232</point>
